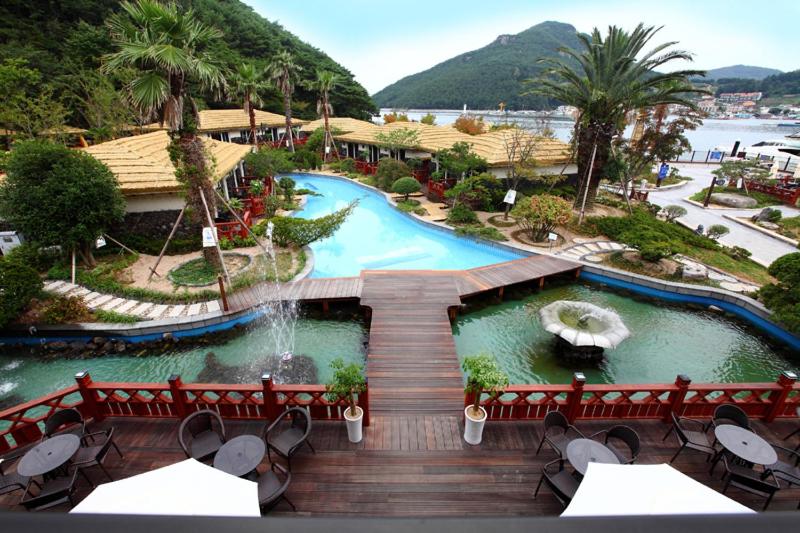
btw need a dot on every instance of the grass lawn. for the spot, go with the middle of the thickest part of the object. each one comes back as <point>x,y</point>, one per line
<point>652,178</point>
<point>411,206</point>
<point>790,227</point>
<point>195,272</point>
<point>744,268</point>
<point>764,200</point>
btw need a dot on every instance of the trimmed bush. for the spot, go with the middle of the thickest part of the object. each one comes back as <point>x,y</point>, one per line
<point>783,297</point>
<point>716,231</point>
<point>19,284</point>
<point>461,214</point>
<point>66,310</point>
<point>287,186</point>
<point>539,215</point>
<point>389,171</point>
<point>674,211</point>
<point>406,186</point>
<point>300,232</point>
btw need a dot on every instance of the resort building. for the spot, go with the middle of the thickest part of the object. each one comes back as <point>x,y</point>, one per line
<point>146,174</point>
<point>233,125</point>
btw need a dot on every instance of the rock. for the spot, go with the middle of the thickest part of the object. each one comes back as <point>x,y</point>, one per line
<point>768,225</point>
<point>168,337</point>
<point>57,346</point>
<point>90,346</point>
<point>108,346</point>
<point>98,341</point>
<point>733,200</point>
<point>77,345</point>
<point>767,215</point>
<point>694,271</point>
<point>715,309</point>
<point>119,346</point>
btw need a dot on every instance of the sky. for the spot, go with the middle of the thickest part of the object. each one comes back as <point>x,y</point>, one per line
<point>381,42</point>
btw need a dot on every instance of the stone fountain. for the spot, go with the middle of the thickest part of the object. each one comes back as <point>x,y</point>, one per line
<point>583,330</point>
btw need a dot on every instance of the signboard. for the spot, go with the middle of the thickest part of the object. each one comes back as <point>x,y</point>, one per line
<point>209,240</point>
<point>100,242</point>
<point>662,171</point>
<point>511,196</point>
<point>715,156</point>
<point>552,236</point>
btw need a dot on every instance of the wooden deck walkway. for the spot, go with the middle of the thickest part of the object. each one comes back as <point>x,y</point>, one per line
<point>414,466</point>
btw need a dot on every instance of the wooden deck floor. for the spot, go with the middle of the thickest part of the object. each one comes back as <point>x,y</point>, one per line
<point>416,465</point>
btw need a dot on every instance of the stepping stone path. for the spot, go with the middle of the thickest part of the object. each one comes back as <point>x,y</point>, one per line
<point>585,249</point>
<point>142,310</point>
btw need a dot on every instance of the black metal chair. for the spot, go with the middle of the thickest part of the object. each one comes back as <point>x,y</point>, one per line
<point>689,438</point>
<point>55,491</point>
<point>94,453</point>
<point>201,434</point>
<point>272,489</point>
<point>10,480</point>
<point>749,480</point>
<point>287,442</point>
<point>57,422</point>
<point>558,433</point>
<point>562,483</point>
<point>728,413</point>
<point>625,435</point>
<point>787,467</point>
<point>796,431</point>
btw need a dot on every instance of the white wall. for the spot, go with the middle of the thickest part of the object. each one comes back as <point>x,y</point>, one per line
<point>502,172</point>
<point>141,203</point>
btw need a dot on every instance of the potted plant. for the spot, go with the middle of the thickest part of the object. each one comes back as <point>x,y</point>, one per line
<point>347,382</point>
<point>257,188</point>
<point>482,375</point>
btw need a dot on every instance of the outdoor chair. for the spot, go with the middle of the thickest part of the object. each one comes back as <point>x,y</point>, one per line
<point>787,467</point>
<point>558,433</point>
<point>287,442</point>
<point>55,491</point>
<point>562,483</point>
<point>729,414</point>
<point>10,480</point>
<point>693,439</point>
<point>201,434</point>
<point>625,435</point>
<point>796,431</point>
<point>94,453</point>
<point>271,489</point>
<point>749,480</point>
<point>66,417</point>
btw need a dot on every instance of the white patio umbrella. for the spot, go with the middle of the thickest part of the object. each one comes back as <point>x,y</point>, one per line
<point>185,488</point>
<point>617,490</point>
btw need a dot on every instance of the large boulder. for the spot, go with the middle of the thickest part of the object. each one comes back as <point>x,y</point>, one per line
<point>733,200</point>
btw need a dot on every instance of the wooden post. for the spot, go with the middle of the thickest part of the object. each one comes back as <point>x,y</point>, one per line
<point>164,248</point>
<point>325,307</point>
<point>363,400</point>
<point>500,293</point>
<point>778,398</point>
<point>676,398</point>
<point>541,283</point>
<point>222,293</point>
<point>271,408</point>
<point>178,395</point>
<point>578,272</point>
<point>575,396</point>
<point>91,399</point>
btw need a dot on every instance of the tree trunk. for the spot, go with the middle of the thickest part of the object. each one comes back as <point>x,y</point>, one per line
<point>253,131</point>
<point>326,152</point>
<point>287,111</point>
<point>594,133</point>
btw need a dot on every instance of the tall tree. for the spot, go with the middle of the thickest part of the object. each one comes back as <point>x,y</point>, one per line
<point>249,86</point>
<point>172,52</point>
<point>606,79</point>
<point>284,73</point>
<point>325,83</point>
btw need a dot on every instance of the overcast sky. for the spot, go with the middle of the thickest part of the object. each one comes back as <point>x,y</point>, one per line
<point>381,41</point>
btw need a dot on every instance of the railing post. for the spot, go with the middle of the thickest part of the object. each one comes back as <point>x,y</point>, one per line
<point>778,398</point>
<point>575,396</point>
<point>270,401</point>
<point>91,399</point>
<point>677,397</point>
<point>363,400</point>
<point>178,395</point>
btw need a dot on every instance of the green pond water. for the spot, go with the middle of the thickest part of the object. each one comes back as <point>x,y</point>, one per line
<point>239,359</point>
<point>665,341</point>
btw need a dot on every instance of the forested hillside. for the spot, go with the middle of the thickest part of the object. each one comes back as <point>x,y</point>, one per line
<point>65,39</point>
<point>771,86</point>
<point>485,77</point>
<point>746,72</point>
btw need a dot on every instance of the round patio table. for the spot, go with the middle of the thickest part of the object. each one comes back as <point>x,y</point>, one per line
<point>48,455</point>
<point>240,456</point>
<point>581,452</point>
<point>745,444</point>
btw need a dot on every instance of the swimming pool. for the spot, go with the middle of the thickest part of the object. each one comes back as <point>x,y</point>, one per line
<point>379,237</point>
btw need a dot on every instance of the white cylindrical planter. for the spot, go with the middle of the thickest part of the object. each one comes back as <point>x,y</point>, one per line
<point>473,429</point>
<point>354,424</point>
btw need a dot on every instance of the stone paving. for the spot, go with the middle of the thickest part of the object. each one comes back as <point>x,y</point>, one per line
<point>124,306</point>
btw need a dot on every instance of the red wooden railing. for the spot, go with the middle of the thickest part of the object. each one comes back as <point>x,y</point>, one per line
<point>786,195</point>
<point>577,400</point>
<point>436,190</point>
<point>421,175</point>
<point>228,230</point>
<point>370,169</point>
<point>285,143</point>
<point>23,424</point>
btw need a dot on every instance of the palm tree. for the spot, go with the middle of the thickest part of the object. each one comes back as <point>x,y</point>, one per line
<point>326,81</point>
<point>283,72</point>
<point>605,80</point>
<point>169,49</point>
<point>249,85</point>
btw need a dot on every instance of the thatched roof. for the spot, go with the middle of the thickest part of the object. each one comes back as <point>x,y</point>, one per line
<point>343,124</point>
<point>142,165</point>
<point>63,130</point>
<point>236,119</point>
<point>491,146</point>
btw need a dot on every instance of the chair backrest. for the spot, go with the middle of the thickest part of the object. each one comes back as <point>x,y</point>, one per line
<point>626,435</point>
<point>560,495</point>
<point>197,423</point>
<point>300,419</point>
<point>728,412</point>
<point>62,418</point>
<point>676,424</point>
<point>555,419</point>
<point>106,445</point>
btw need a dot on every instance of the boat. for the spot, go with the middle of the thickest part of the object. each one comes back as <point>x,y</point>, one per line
<point>788,124</point>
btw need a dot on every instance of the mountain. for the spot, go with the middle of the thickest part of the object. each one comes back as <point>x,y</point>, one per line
<point>777,85</point>
<point>742,72</point>
<point>485,77</point>
<point>63,38</point>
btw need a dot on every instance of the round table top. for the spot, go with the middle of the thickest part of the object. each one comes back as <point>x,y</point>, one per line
<point>581,452</point>
<point>48,455</point>
<point>745,444</point>
<point>240,456</point>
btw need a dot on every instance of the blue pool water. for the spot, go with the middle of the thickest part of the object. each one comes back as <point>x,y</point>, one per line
<point>379,237</point>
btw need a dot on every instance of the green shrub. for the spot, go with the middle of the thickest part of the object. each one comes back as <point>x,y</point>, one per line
<point>346,165</point>
<point>483,374</point>
<point>111,317</point>
<point>66,310</point>
<point>716,231</point>
<point>347,382</point>
<point>19,283</point>
<point>389,171</point>
<point>674,211</point>
<point>30,254</point>
<point>271,205</point>
<point>655,251</point>
<point>539,215</point>
<point>305,159</point>
<point>461,214</point>
<point>406,186</point>
<point>287,187</point>
<point>300,232</point>
<point>737,252</point>
<point>484,232</point>
<point>268,162</point>
<point>482,191</point>
<point>226,244</point>
<point>783,297</point>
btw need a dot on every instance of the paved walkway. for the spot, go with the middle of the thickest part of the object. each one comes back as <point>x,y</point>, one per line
<point>764,248</point>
